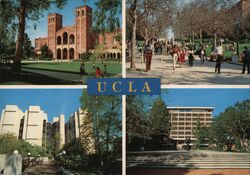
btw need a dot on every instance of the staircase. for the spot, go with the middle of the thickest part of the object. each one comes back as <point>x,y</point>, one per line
<point>188,159</point>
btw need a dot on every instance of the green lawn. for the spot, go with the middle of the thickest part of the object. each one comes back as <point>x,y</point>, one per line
<point>229,53</point>
<point>112,67</point>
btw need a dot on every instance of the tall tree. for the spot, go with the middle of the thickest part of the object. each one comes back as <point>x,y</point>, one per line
<point>107,15</point>
<point>105,112</point>
<point>201,133</point>
<point>32,10</point>
<point>148,19</point>
<point>27,46</point>
<point>233,124</point>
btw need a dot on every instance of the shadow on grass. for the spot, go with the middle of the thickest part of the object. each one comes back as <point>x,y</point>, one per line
<point>23,77</point>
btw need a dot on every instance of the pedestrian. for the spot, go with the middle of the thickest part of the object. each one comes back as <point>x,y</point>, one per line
<point>82,69</point>
<point>246,60</point>
<point>98,72</point>
<point>190,57</point>
<point>174,55</point>
<point>105,71</point>
<point>202,56</point>
<point>182,56</point>
<point>149,54</point>
<point>219,57</point>
<point>94,67</point>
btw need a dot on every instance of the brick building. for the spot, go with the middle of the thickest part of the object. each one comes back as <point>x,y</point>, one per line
<point>69,42</point>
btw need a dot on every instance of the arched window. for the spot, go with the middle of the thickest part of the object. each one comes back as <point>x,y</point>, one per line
<point>71,53</point>
<point>78,13</point>
<point>59,40</point>
<point>82,12</point>
<point>65,53</point>
<point>65,38</point>
<point>59,54</point>
<point>71,39</point>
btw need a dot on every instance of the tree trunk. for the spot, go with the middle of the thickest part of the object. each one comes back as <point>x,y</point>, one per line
<point>193,36</point>
<point>215,40</point>
<point>20,37</point>
<point>133,41</point>
<point>201,36</point>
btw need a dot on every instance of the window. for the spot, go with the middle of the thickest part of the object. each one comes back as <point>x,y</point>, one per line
<point>78,13</point>
<point>82,12</point>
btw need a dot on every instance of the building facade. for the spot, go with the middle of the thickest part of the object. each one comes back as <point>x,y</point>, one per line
<point>33,127</point>
<point>184,120</point>
<point>69,42</point>
<point>29,125</point>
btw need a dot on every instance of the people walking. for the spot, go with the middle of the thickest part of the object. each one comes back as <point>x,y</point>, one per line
<point>182,56</point>
<point>174,55</point>
<point>190,58</point>
<point>246,60</point>
<point>202,56</point>
<point>219,57</point>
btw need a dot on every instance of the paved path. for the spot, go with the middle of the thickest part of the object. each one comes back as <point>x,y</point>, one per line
<point>196,75</point>
<point>45,169</point>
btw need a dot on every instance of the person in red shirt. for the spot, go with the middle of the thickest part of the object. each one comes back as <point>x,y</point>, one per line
<point>98,72</point>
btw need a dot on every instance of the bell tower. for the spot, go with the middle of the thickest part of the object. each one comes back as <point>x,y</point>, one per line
<point>54,24</point>
<point>83,26</point>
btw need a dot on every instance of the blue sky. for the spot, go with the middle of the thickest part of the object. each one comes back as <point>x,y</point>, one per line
<point>68,13</point>
<point>53,101</point>
<point>220,99</point>
<point>66,101</point>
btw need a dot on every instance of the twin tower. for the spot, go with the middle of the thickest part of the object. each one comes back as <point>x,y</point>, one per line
<point>70,41</point>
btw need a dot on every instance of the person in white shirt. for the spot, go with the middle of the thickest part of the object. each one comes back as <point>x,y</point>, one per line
<point>219,56</point>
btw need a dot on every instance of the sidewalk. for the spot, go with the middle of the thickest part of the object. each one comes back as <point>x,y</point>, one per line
<point>162,67</point>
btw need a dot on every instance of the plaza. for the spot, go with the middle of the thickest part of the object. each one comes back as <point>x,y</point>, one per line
<point>162,67</point>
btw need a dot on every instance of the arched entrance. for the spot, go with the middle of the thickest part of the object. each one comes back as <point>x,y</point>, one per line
<point>65,38</point>
<point>71,53</point>
<point>58,53</point>
<point>65,53</point>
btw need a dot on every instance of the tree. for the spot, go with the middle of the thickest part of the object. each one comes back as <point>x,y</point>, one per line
<point>45,52</point>
<point>148,19</point>
<point>7,28</point>
<point>27,47</point>
<point>233,124</point>
<point>160,118</point>
<point>201,133</point>
<point>106,15</point>
<point>105,112</point>
<point>8,143</point>
<point>160,124</point>
<point>28,10</point>
<point>98,53</point>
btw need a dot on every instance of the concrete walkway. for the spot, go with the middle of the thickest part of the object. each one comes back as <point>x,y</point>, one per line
<point>162,67</point>
<point>47,168</point>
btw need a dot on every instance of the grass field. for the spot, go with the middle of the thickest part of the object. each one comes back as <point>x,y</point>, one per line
<point>229,53</point>
<point>112,67</point>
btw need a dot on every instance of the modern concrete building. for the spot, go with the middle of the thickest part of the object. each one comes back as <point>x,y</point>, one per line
<point>33,127</point>
<point>29,125</point>
<point>11,119</point>
<point>184,119</point>
<point>58,128</point>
